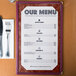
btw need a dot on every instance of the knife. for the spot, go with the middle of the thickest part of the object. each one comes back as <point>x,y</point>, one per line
<point>1,32</point>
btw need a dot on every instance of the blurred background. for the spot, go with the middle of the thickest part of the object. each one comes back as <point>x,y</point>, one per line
<point>8,11</point>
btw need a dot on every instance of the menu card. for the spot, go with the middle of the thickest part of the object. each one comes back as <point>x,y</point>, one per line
<point>39,37</point>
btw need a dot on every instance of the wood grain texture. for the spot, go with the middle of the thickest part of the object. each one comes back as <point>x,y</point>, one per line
<point>8,10</point>
<point>21,6</point>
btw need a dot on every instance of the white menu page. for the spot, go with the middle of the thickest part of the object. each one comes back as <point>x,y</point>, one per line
<point>39,38</point>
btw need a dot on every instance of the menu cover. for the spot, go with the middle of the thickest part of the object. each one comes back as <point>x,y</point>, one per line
<point>39,37</point>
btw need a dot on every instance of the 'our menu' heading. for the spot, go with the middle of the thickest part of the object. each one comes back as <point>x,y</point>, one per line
<point>40,12</point>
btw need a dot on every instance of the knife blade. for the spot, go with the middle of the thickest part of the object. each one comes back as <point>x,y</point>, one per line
<point>1,32</point>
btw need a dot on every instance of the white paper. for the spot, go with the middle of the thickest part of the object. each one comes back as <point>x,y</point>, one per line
<point>39,38</point>
<point>11,39</point>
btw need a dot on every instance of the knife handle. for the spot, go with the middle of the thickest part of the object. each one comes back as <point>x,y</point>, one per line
<point>1,51</point>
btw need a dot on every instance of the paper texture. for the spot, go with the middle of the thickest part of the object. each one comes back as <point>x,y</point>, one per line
<point>10,40</point>
<point>39,38</point>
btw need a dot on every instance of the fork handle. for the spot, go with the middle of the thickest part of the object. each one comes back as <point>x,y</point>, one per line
<point>8,45</point>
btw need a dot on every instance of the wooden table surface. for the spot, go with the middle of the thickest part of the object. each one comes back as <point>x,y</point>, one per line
<point>8,11</point>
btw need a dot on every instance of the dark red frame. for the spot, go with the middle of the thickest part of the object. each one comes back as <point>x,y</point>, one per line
<point>60,32</point>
